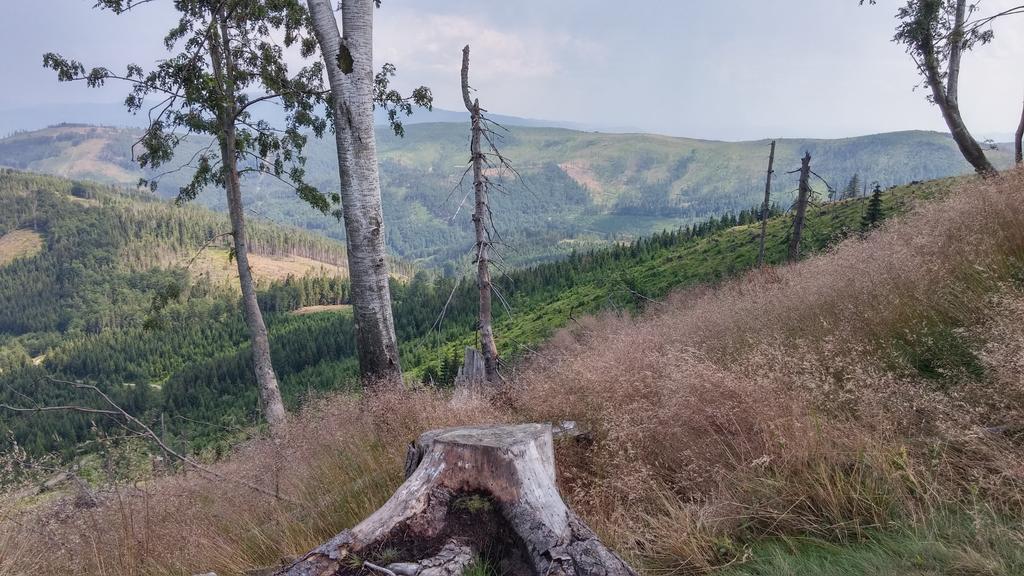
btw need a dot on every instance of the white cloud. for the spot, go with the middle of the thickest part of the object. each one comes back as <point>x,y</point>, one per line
<point>505,64</point>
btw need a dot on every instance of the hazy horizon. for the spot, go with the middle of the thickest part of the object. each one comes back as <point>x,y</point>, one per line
<point>581,62</point>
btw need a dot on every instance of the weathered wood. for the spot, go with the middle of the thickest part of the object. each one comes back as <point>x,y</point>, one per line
<point>765,205</point>
<point>481,214</point>
<point>486,490</point>
<point>803,197</point>
<point>473,370</point>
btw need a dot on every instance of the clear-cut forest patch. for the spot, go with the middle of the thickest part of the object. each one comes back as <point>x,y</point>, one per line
<point>19,244</point>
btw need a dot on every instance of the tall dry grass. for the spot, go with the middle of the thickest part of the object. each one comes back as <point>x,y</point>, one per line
<point>858,391</point>
<point>826,398</point>
<point>340,459</point>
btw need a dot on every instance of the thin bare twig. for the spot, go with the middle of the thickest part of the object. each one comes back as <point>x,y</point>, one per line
<point>146,431</point>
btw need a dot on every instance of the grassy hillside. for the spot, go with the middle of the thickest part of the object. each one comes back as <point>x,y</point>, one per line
<point>119,296</point>
<point>855,413</point>
<point>579,189</point>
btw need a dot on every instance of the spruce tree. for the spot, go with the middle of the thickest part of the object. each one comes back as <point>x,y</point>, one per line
<point>852,188</point>
<point>873,215</point>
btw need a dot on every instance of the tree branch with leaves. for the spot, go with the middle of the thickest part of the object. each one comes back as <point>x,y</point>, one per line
<point>224,62</point>
<point>936,34</point>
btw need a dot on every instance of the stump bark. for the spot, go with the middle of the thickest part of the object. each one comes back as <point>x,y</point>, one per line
<point>472,492</point>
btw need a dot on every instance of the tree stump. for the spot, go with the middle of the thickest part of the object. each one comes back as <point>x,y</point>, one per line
<point>473,372</point>
<point>471,493</point>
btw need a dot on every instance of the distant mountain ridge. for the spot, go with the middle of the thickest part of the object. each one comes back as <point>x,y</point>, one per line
<point>578,189</point>
<point>32,118</point>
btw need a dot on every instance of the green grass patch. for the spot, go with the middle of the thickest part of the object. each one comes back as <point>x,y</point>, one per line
<point>980,544</point>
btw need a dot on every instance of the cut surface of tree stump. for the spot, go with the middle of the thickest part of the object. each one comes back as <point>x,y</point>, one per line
<point>472,494</point>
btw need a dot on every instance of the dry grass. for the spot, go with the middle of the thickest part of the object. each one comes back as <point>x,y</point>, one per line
<point>582,174</point>
<point>222,269</point>
<point>339,462</point>
<point>826,398</point>
<point>19,244</point>
<point>322,308</point>
<point>85,160</point>
<point>869,388</point>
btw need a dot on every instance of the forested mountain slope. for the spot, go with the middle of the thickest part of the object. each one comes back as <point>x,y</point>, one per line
<point>110,285</point>
<point>578,189</point>
<point>857,412</point>
<point>168,341</point>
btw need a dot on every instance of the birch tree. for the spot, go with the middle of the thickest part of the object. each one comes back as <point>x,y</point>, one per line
<point>936,33</point>
<point>224,61</point>
<point>348,58</point>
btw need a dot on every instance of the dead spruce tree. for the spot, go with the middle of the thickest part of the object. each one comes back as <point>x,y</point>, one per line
<point>802,200</point>
<point>765,205</point>
<point>482,223</point>
<point>936,33</point>
<point>348,58</point>
<point>224,61</point>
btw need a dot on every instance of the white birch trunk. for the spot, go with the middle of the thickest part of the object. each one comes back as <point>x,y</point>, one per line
<point>946,96</point>
<point>352,92</point>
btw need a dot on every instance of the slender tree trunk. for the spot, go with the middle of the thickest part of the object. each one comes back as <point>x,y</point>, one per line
<point>946,96</point>
<point>1017,141</point>
<point>266,379</point>
<point>801,207</point>
<point>349,62</point>
<point>968,146</point>
<point>764,207</point>
<point>35,207</point>
<point>956,38</point>
<point>483,242</point>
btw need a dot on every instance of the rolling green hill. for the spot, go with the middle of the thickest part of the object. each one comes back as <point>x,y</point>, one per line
<point>578,189</point>
<point>111,299</point>
<point>110,285</point>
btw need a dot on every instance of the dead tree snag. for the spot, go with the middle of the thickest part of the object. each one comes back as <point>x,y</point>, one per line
<point>765,205</point>
<point>802,199</point>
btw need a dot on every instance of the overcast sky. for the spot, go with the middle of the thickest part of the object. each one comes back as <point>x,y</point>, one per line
<point>723,69</point>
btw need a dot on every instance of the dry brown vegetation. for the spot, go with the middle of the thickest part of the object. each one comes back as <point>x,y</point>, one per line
<point>859,391</point>
<point>222,268</point>
<point>321,308</point>
<point>19,244</point>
